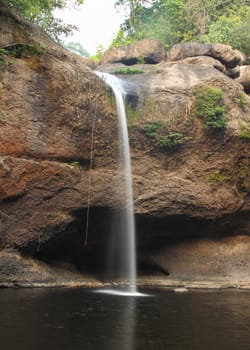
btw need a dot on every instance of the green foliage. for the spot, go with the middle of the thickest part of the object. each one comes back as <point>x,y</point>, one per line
<point>232,29</point>
<point>140,60</point>
<point>240,35</point>
<point>18,51</point>
<point>76,164</point>
<point>122,38</point>
<point>167,141</point>
<point>129,70</point>
<point>154,19</point>
<point>41,12</point>
<point>176,21</point>
<point>245,131</point>
<point>172,140</point>
<point>152,128</point>
<point>3,53</point>
<point>210,107</point>
<point>99,54</point>
<point>78,48</point>
<point>217,177</point>
<point>241,100</point>
<point>26,50</point>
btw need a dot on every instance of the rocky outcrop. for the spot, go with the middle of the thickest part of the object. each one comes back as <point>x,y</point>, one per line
<point>146,50</point>
<point>205,61</point>
<point>223,53</point>
<point>244,78</point>
<point>214,263</point>
<point>59,147</point>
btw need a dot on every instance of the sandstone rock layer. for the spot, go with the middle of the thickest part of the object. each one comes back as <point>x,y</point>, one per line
<point>59,151</point>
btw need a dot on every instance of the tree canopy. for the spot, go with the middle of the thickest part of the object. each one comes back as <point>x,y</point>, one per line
<point>176,21</point>
<point>41,13</point>
<point>78,48</point>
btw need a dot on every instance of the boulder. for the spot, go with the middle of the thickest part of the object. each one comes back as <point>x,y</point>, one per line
<point>244,78</point>
<point>223,53</point>
<point>229,57</point>
<point>146,50</point>
<point>205,61</point>
<point>233,73</point>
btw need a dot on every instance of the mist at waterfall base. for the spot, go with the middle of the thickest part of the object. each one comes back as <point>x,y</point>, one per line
<point>122,251</point>
<point>77,319</point>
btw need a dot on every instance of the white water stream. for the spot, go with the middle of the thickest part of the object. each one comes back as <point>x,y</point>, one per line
<point>129,249</point>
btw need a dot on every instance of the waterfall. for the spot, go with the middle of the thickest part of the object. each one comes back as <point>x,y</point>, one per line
<point>128,223</point>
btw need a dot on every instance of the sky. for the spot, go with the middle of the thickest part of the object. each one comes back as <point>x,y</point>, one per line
<point>98,22</point>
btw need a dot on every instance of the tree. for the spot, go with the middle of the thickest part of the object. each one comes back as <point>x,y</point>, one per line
<point>160,19</point>
<point>202,15</point>
<point>176,21</point>
<point>232,29</point>
<point>41,13</point>
<point>77,47</point>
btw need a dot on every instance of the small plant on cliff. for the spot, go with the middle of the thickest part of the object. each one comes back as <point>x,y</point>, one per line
<point>172,141</point>
<point>76,164</point>
<point>210,107</point>
<point>217,177</point>
<point>166,140</point>
<point>26,50</point>
<point>3,54</point>
<point>241,99</point>
<point>245,131</point>
<point>129,70</point>
<point>152,128</point>
<point>140,60</point>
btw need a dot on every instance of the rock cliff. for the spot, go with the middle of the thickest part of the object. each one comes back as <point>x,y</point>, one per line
<point>59,150</point>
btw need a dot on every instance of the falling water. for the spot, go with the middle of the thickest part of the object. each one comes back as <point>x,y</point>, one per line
<point>129,249</point>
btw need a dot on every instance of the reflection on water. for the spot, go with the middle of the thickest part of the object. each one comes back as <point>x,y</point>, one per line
<point>124,324</point>
<point>75,319</point>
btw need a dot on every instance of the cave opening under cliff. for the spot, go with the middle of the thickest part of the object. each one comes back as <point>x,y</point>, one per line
<point>67,247</point>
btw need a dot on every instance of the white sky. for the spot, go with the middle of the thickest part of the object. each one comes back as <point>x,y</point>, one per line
<point>98,22</point>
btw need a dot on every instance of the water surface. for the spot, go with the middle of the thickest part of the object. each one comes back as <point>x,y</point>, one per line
<point>73,319</point>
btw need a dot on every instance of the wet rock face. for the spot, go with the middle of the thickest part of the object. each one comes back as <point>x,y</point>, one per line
<point>59,153</point>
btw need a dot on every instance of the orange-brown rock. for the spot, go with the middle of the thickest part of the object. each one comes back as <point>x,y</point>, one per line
<point>59,146</point>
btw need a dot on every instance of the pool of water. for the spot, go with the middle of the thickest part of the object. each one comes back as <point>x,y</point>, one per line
<point>75,319</point>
